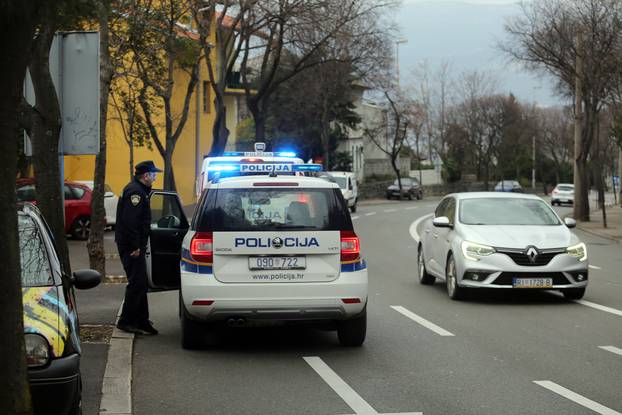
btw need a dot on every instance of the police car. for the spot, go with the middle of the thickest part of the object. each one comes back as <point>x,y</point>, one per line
<point>227,164</point>
<point>275,247</point>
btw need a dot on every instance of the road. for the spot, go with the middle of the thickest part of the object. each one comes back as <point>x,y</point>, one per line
<point>498,353</point>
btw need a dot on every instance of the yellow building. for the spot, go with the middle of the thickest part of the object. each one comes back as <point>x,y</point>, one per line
<point>193,144</point>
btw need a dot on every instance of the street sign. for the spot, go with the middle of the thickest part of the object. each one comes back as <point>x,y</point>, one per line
<point>74,66</point>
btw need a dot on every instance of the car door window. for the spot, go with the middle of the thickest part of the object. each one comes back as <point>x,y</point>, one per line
<point>35,264</point>
<point>69,195</point>
<point>166,212</point>
<point>441,209</point>
<point>78,192</point>
<point>451,210</point>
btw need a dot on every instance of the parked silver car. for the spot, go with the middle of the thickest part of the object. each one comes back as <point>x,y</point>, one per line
<point>503,241</point>
<point>563,193</point>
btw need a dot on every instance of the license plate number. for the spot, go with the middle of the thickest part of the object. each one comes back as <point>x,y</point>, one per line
<point>277,262</point>
<point>532,282</point>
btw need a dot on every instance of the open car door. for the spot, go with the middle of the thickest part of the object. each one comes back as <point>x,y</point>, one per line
<point>168,228</point>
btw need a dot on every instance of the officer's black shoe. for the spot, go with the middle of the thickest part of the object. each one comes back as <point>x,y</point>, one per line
<point>129,329</point>
<point>149,329</point>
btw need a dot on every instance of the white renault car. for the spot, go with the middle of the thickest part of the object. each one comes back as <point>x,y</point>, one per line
<point>501,241</point>
<point>263,248</point>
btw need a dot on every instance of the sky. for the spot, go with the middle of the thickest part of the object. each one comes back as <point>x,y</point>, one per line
<point>465,33</point>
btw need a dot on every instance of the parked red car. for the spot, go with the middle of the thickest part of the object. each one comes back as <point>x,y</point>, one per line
<point>77,205</point>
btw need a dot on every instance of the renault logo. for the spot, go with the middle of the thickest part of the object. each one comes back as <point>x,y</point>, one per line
<point>277,243</point>
<point>532,253</point>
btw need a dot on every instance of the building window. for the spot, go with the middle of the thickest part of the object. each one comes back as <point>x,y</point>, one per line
<point>207,89</point>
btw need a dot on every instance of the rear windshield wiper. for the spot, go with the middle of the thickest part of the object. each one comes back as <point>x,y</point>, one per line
<point>286,226</point>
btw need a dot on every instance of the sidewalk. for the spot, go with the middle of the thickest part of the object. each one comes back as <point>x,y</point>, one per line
<point>613,231</point>
<point>96,307</point>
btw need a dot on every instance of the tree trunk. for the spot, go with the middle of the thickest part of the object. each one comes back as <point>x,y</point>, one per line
<point>169,176</point>
<point>220,131</point>
<point>260,126</point>
<point>620,176</point>
<point>16,32</point>
<point>95,244</point>
<point>397,173</point>
<point>45,139</point>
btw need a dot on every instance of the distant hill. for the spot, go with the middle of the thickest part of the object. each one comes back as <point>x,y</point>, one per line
<point>465,34</point>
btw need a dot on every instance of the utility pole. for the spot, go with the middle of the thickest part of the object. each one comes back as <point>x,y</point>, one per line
<point>578,123</point>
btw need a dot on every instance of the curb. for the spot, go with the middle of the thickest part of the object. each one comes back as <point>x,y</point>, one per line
<point>116,396</point>
<point>598,234</point>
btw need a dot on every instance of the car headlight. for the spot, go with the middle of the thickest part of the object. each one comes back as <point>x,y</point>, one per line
<point>473,251</point>
<point>578,251</point>
<point>37,350</point>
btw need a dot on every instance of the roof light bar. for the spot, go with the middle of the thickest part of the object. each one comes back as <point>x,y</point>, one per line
<point>265,167</point>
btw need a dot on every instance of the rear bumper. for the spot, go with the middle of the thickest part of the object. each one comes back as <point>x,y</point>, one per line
<point>274,301</point>
<point>56,387</point>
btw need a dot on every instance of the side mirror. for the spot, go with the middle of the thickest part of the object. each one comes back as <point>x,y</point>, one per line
<point>442,222</point>
<point>570,223</point>
<point>108,194</point>
<point>83,279</point>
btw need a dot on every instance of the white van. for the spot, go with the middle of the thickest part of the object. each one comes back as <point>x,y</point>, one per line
<point>349,188</point>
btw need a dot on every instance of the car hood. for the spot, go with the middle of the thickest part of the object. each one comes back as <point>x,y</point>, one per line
<point>42,310</point>
<point>520,236</point>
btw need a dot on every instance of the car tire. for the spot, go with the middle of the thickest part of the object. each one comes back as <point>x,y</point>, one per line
<point>573,293</point>
<point>191,331</point>
<point>351,333</point>
<point>81,228</point>
<point>419,195</point>
<point>454,291</point>
<point>353,208</point>
<point>388,197</point>
<point>410,196</point>
<point>424,277</point>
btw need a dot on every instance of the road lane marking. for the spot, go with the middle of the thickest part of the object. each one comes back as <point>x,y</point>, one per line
<point>575,397</point>
<point>611,349</point>
<point>594,267</point>
<point>600,307</point>
<point>411,208</point>
<point>354,217</point>
<point>370,214</point>
<point>413,227</point>
<point>390,210</point>
<point>341,388</point>
<point>425,323</point>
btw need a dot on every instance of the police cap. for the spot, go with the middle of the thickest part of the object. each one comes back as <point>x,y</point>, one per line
<point>146,166</point>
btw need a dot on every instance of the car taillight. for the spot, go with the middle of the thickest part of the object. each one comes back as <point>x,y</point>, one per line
<point>202,248</point>
<point>350,247</point>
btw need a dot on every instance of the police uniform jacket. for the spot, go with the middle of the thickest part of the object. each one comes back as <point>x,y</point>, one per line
<point>133,216</point>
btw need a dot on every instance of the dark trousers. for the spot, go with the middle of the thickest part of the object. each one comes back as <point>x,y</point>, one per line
<point>135,310</point>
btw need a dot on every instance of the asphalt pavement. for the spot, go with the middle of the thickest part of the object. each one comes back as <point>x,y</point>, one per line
<point>501,352</point>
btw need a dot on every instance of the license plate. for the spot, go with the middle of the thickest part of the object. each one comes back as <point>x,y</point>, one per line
<point>532,282</point>
<point>276,262</point>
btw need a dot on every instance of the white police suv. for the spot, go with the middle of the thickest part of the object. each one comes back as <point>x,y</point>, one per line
<point>272,247</point>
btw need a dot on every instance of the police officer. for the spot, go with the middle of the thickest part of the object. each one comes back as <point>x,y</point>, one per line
<point>131,235</point>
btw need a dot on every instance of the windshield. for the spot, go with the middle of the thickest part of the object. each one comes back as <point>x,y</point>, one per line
<point>274,209</point>
<point>33,256</point>
<point>506,211</point>
<point>405,182</point>
<point>341,181</point>
<point>565,188</point>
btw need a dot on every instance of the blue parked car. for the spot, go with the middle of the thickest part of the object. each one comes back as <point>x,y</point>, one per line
<point>508,186</point>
